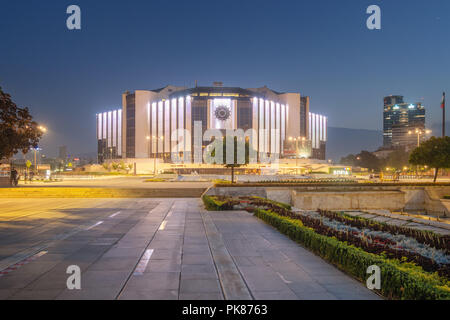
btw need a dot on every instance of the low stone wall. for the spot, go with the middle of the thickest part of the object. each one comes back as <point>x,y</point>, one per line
<point>388,200</point>
<point>349,197</point>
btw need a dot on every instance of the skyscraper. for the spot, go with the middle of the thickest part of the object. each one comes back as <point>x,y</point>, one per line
<point>399,118</point>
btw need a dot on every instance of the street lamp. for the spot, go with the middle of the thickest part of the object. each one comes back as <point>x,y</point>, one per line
<point>43,130</point>
<point>419,132</point>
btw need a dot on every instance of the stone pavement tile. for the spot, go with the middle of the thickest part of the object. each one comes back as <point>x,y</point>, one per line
<point>338,279</point>
<point>273,256</point>
<point>14,281</point>
<point>149,295</point>
<point>368,215</point>
<point>166,245</point>
<point>198,269</point>
<point>381,219</point>
<point>6,293</point>
<point>115,252</point>
<point>290,271</point>
<point>111,264</point>
<point>101,279</point>
<point>306,286</point>
<point>316,296</point>
<point>202,259</point>
<point>274,295</point>
<point>154,281</point>
<point>35,267</point>
<point>397,222</point>
<point>199,286</point>
<point>169,265</point>
<point>201,296</point>
<point>354,291</point>
<point>66,246</point>
<point>164,254</point>
<point>317,270</point>
<point>52,257</point>
<point>261,278</point>
<point>48,294</point>
<point>50,281</point>
<point>99,293</point>
<point>195,249</point>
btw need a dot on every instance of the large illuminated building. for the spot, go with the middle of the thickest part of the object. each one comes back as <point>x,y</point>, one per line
<point>153,123</point>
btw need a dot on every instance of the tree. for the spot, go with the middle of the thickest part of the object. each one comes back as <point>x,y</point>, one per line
<point>18,131</point>
<point>434,153</point>
<point>235,163</point>
<point>397,159</point>
<point>115,166</point>
<point>364,159</point>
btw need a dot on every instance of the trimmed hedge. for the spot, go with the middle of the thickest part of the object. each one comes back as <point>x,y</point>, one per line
<point>398,281</point>
<point>276,203</point>
<point>214,204</point>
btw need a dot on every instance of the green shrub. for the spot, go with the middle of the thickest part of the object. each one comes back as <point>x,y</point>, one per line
<point>276,203</point>
<point>398,281</point>
<point>214,203</point>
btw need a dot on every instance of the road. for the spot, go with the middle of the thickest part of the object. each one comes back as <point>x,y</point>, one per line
<point>155,249</point>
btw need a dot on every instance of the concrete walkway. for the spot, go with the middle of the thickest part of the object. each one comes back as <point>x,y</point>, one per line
<point>164,249</point>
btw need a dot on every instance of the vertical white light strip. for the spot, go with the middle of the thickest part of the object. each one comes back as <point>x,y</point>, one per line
<point>272,127</point>
<point>167,126</point>
<point>320,128</point>
<point>188,121</point>
<point>114,133</point>
<point>255,122</point>
<point>317,130</point>
<point>104,125</point>
<point>181,122</point>
<point>283,126</point>
<point>267,126</point>
<point>173,119</point>
<point>109,129</point>
<point>309,127</point>
<point>160,127</point>
<point>154,127</point>
<point>119,132</point>
<point>261,125</point>
<point>325,129</point>
<point>278,128</point>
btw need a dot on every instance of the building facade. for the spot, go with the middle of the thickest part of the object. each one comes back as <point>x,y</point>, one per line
<point>170,121</point>
<point>109,135</point>
<point>398,119</point>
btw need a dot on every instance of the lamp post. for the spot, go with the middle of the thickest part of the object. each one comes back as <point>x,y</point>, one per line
<point>419,132</point>
<point>43,130</point>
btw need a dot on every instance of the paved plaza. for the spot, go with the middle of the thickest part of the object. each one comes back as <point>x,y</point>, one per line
<point>155,249</point>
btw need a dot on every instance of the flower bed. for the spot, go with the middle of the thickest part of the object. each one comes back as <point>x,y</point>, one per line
<point>399,279</point>
<point>426,237</point>
<point>415,264</point>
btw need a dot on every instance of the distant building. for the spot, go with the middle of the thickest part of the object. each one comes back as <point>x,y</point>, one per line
<point>62,152</point>
<point>398,119</point>
<point>318,135</point>
<point>304,112</point>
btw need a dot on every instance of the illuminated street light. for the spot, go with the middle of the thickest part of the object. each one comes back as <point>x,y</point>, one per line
<point>44,130</point>
<point>419,132</point>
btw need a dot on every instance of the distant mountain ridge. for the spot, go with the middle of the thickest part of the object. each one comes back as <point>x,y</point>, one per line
<point>344,141</point>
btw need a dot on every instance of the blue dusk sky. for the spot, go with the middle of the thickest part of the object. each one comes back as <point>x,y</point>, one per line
<point>319,48</point>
